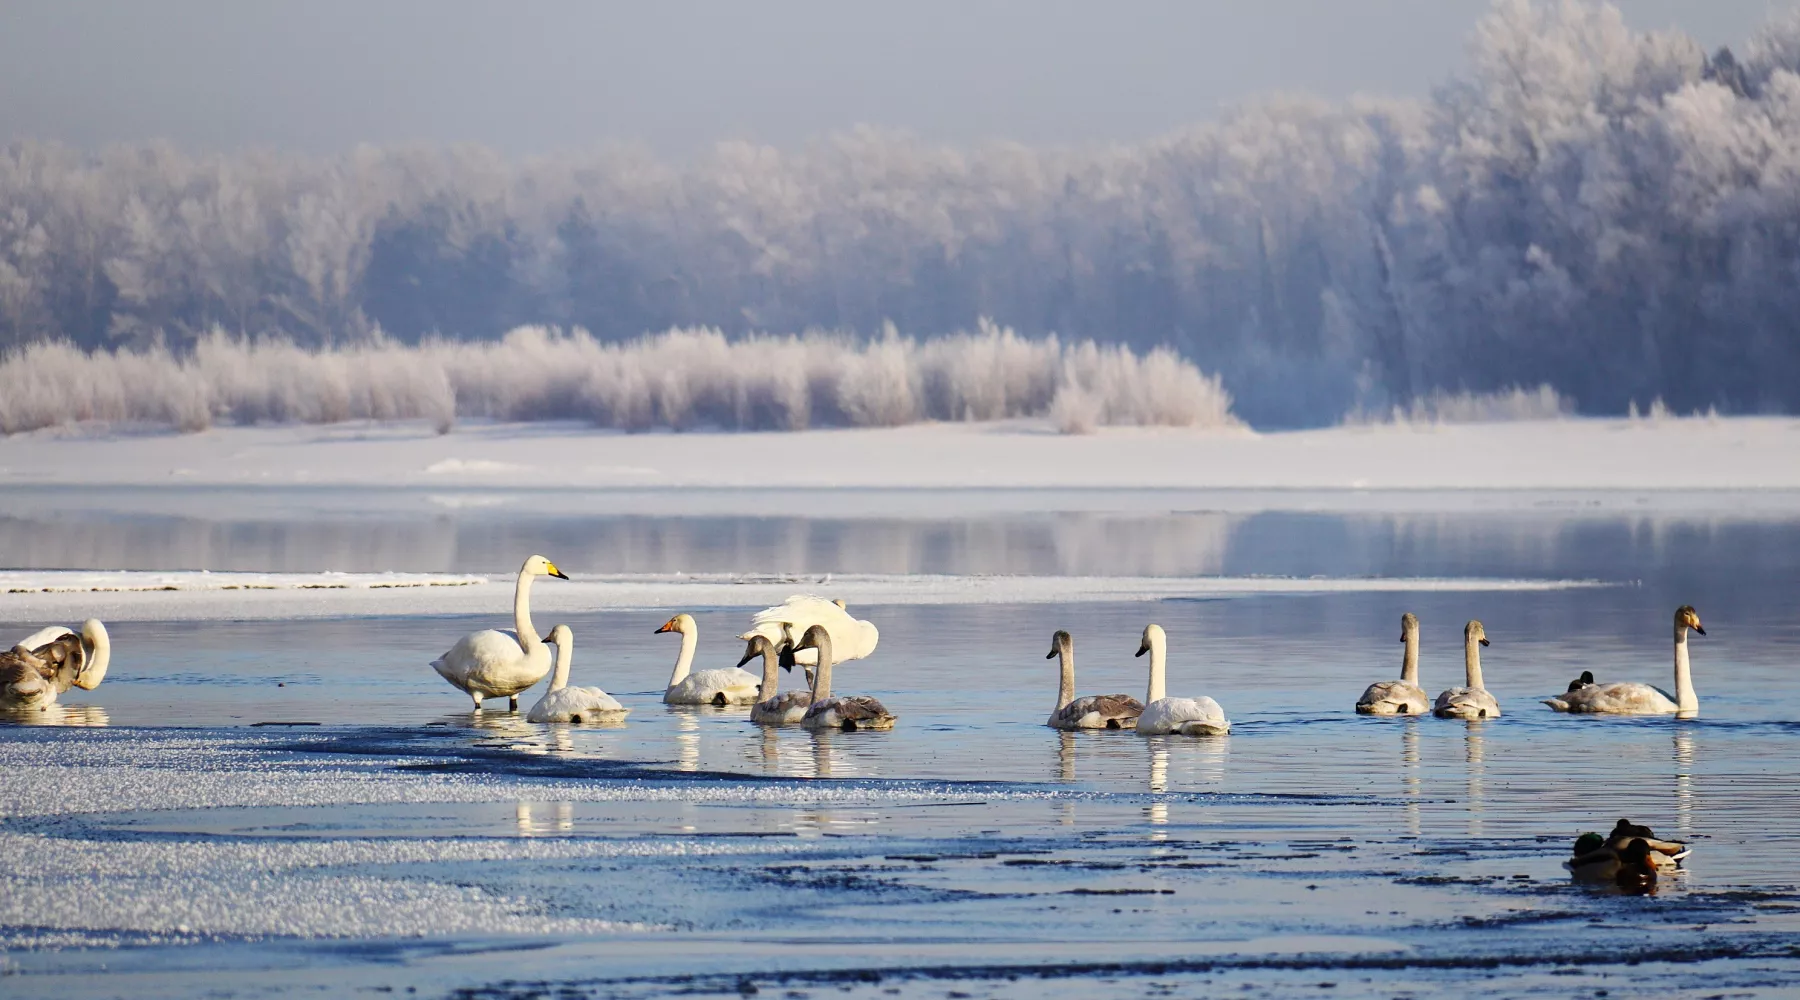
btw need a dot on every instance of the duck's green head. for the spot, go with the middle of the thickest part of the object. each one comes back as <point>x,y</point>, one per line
<point>1588,843</point>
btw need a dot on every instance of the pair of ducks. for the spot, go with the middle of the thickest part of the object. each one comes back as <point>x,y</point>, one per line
<point>1156,715</point>
<point>50,661</point>
<point>1630,857</point>
<point>1584,696</point>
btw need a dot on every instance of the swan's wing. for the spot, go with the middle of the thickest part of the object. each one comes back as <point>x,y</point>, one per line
<point>1391,693</point>
<point>1120,709</point>
<point>24,678</point>
<point>45,636</point>
<point>861,708</point>
<point>1617,699</point>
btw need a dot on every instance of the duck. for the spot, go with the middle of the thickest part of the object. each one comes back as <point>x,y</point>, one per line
<point>500,663</point>
<point>848,713</point>
<point>785,623</point>
<point>572,704</point>
<point>1668,851</point>
<point>1472,700</point>
<point>29,678</point>
<point>1585,680</point>
<point>773,708</point>
<point>721,686</point>
<point>1636,875</point>
<point>1097,711</point>
<point>1404,696</point>
<point>1164,715</point>
<point>96,649</point>
<point>1598,859</point>
<point>1642,699</point>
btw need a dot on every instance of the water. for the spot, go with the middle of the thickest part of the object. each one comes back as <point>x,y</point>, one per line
<point>382,836</point>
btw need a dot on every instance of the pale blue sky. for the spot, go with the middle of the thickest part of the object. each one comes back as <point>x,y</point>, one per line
<point>546,75</point>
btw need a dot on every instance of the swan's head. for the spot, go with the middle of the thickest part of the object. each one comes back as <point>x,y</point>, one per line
<point>539,566</point>
<point>759,645</point>
<point>1153,636</point>
<point>1686,615</point>
<point>1409,626</point>
<point>840,603</point>
<point>683,623</point>
<point>816,637</point>
<point>562,635</point>
<point>1474,631</point>
<point>97,647</point>
<point>1059,642</point>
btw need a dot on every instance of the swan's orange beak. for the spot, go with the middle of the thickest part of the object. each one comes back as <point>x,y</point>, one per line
<point>668,626</point>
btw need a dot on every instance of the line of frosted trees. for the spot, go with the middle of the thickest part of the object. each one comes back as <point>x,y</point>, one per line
<point>1613,213</point>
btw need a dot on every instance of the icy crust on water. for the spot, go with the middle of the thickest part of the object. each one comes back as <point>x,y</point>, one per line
<point>198,596</point>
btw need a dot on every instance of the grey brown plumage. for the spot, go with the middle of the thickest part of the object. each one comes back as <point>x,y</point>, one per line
<point>32,678</point>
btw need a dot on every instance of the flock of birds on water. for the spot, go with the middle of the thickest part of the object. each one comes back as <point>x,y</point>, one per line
<point>817,634</point>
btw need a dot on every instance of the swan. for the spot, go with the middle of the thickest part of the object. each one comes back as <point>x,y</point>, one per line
<point>846,713</point>
<point>1404,696</point>
<point>1471,701</point>
<point>29,678</point>
<point>499,663</point>
<point>785,623</point>
<point>774,709</point>
<point>96,647</point>
<point>1641,699</point>
<point>572,704</point>
<point>1186,716</point>
<point>723,686</point>
<point>1098,711</point>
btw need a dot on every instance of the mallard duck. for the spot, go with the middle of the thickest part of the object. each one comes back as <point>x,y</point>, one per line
<point>1637,872</point>
<point>1585,680</point>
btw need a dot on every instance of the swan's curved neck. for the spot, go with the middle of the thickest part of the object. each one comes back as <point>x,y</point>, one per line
<point>684,661</point>
<point>528,637</point>
<point>1158,667</point>
<point>771,679</point>
<point>98,650</point>
<point>1065,691</point>
<point>822,677</point>
<point>1685,698</point>
<point>1409,664</point>
<point>1472,662</point>
<point>565,654</point>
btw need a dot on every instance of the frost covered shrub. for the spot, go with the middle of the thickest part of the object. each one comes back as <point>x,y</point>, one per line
<point>679,379</point>
<point>1516,403</point>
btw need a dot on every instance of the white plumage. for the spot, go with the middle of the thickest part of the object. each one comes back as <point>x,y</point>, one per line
<point>786,623</point>
<point>572,704</point>
<point>46,663</point>
<point>722,686</point>
<point>1472,700</point>
<point>1404,696</point>
<point>1164,715</point>
<point>499,663</point>
<point>1642,699</point>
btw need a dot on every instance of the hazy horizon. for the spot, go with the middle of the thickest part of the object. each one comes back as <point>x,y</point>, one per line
<point>209,74</point>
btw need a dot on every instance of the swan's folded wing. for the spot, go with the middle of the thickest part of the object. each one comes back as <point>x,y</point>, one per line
<point>861,708</point>
<point>1121,709</point>
<point>24,677</point>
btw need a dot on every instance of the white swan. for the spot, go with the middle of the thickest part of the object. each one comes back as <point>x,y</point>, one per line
<point>1642,699</point>
<point>846,712</point>
<point>499,663</point>
<point>1162,714</point>
<point>1404,696</point>
<point>773,708</point>
<point>572,704</point>
<point>29,678</point>
<point>96,648</point>
<point>1471,701</point>
<point>785,624</point>
<point>1097,711</point>
<point>723,686</point>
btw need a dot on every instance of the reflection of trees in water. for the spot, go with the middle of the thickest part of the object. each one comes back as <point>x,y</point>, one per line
<point>1055,544</point>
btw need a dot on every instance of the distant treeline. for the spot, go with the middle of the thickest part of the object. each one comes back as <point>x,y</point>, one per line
<point>1611,213</point>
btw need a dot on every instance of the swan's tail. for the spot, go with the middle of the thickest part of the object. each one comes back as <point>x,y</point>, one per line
<point>1206,729</point>
<point>1557,703</point>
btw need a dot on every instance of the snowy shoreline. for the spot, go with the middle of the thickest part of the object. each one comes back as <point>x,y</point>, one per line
<point>1688,463</point>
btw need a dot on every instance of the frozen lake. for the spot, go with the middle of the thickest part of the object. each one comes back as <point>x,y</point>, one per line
<point>273,806</point>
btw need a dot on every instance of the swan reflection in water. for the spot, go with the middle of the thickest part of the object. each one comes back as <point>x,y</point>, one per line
<point>57,714</point>
<point>1409,773</point>
<point>1473,750</point>
<point>525,818</point>
<point>1684,783</point>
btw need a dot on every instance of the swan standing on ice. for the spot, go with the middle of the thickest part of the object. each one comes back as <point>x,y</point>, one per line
<point>1162,714</point>
<point>1097,711</point>
<point>1641,699</point>
<point>772,708</point>
<point>96,649</point>
<point>572,704</point>
<point>723,686</point>
<point>1404,696</point>
<point>785,624</point>
<point>499,663</point>
<point>1471,701</point>
<point>846,713</point>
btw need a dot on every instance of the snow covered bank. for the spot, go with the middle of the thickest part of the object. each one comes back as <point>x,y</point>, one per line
<point>1707,455</point>
<point>124,596</point>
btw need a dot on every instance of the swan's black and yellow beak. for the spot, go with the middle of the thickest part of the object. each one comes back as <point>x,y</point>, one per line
<point>1699,630</point>
<point>668,626</point>
<point>551,567</point>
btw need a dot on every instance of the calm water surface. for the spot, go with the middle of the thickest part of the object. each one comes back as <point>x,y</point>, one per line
<point>986,839</point>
